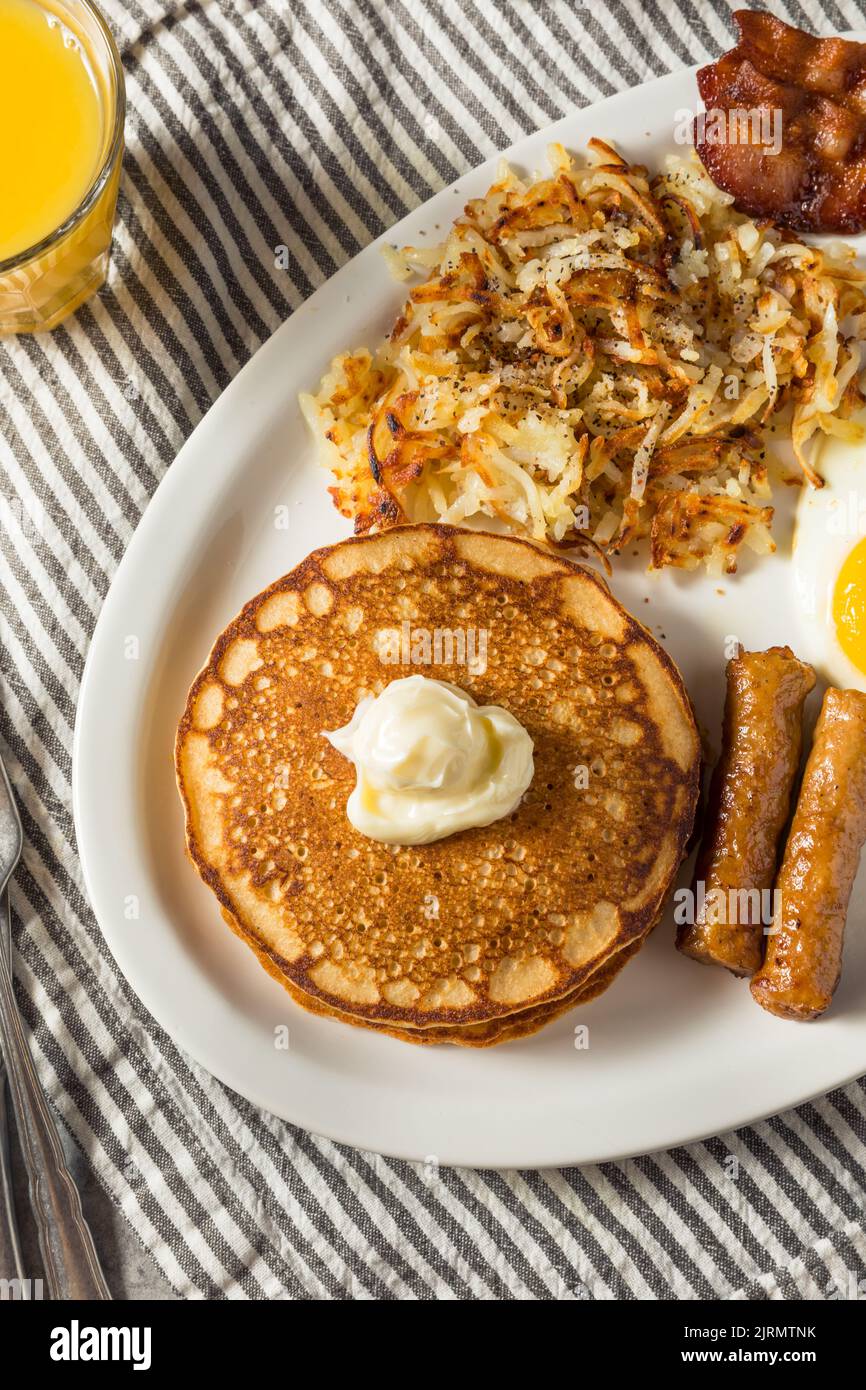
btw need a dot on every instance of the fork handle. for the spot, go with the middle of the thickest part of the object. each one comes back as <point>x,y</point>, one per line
<point>11,1262</point>
<point>72,1268</point>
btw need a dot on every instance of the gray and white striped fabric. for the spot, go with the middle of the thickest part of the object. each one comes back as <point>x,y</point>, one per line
<point>256,123</point>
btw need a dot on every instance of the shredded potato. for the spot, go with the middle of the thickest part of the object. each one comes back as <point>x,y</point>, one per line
<point>591,359</point>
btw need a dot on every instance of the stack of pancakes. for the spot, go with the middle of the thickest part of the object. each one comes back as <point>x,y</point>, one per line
<point>488,934</point>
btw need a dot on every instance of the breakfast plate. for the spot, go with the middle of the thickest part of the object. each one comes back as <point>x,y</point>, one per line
<point>672,1052</point>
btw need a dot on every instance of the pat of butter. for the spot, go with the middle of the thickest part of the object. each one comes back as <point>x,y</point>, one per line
<point>430,762</point>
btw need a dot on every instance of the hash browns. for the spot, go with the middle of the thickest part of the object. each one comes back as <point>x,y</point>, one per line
<point>592,358</point>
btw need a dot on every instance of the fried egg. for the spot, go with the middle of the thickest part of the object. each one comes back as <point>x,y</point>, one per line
<point>830,567</point>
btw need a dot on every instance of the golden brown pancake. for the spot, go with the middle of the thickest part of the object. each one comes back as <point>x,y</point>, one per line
<point>517,1025</point>
<point>487,923</point>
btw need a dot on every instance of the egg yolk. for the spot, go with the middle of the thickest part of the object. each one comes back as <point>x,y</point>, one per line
<point>849,606</point>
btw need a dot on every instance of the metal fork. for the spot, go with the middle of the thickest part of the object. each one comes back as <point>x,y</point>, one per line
<point>72,1268</point>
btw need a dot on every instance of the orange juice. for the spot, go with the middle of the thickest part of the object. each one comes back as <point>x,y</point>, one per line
<point>50,124</point>
<point>61,140</point>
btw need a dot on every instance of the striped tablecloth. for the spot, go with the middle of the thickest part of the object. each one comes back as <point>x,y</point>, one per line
<point>314,126</point>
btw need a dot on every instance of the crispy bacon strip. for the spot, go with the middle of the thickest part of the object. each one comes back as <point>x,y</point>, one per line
<point>816,88</point>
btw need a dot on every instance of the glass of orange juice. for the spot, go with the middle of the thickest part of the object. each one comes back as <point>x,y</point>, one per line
<point>62,108</point>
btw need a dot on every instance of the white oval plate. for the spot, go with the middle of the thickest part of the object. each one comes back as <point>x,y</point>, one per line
<point>676,1051</point>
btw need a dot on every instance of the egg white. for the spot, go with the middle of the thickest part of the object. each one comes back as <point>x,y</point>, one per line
<point>830,521</point>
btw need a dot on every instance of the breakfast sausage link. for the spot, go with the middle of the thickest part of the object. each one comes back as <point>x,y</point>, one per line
<point>747,807</point>
<point>804,949</point>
